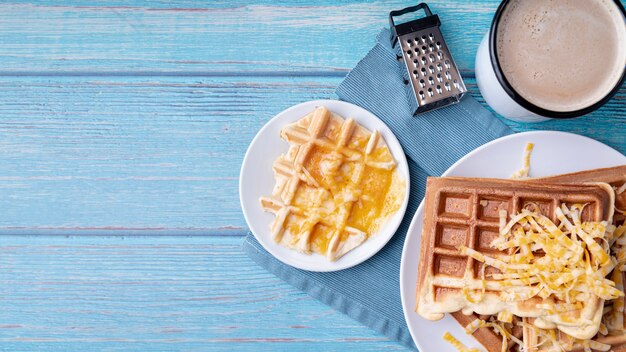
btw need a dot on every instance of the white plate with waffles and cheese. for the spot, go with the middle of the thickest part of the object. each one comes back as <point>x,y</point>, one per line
<point>554,153</point>
<point>258,181</point>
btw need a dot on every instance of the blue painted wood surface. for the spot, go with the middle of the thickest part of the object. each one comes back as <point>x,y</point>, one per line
<point>127,121</point>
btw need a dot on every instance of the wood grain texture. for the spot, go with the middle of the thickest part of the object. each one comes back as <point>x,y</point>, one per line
<point>212,38</point>
<point>158,293</point>
<point>126,155</point>
<point>92,155</point>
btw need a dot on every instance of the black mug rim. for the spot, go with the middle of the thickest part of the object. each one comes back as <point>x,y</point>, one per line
<point>495,63</point>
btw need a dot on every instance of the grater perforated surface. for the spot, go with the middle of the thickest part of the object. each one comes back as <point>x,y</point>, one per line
<point>434,77</point>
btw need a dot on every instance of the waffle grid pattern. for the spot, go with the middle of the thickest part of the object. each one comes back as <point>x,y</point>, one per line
<point>456,225</point>
<point>466,212</point>
<point>343,140</point>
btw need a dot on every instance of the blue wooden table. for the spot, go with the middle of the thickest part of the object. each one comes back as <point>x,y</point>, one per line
<point>122,128</point>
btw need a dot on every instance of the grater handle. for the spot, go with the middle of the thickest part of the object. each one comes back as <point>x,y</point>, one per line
<point>409,9</point>
<point>429,21</point>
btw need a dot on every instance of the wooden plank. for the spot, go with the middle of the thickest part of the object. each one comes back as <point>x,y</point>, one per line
<point>212,38</point>
<point>158,293</point>
<point>94,155</point>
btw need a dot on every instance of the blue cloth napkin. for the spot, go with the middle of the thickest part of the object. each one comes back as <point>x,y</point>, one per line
<point>432,141</point>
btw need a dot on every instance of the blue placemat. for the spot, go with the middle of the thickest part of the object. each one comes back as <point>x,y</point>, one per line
<point>433,141</point>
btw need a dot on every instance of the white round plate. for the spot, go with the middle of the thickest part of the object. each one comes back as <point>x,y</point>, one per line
<point>554,153</point>
<point>257,180</point>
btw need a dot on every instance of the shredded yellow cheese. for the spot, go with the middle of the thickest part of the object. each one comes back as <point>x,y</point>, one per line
<point>505,317</point>
<point>457,344</point>
<point>574,265</point>
<point>576,260</point>
<point>474,325</point>
<point>580,260</point>
<point>504,329</point>
<point>525,170</point>
<point>613,317</point>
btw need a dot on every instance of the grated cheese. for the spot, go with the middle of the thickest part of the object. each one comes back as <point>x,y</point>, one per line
<point>525,170</point>
<point>582,260</point>
<point>573,269</point>
<point>505,317</point>
<point>457,344</point>
<point>502,328</point>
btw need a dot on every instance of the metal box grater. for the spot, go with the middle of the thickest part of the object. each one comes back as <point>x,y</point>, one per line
<point>433,75</point>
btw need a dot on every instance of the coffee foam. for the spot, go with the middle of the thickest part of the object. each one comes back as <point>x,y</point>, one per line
<point>562,55</point>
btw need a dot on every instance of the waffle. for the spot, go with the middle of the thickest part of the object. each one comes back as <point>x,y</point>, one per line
<point>616,177</point>
<point>465,212</point>
<point>335,186</point>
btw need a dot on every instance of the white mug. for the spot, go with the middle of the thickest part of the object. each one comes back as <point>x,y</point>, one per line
<point>500,95</point>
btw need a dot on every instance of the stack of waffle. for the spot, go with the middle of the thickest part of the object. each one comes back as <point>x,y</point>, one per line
<point>462,246</point>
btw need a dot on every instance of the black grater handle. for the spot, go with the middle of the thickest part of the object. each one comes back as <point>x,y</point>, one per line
<point>407,27</point>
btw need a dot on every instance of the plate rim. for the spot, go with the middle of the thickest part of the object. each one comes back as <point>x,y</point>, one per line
<point>403,262</point>
<point>392,225</point>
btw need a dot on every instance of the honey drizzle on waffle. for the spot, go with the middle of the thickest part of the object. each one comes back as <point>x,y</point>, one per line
<point>292,174</point>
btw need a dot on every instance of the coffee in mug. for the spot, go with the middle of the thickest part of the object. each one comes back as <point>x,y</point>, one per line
<point>554,58</point>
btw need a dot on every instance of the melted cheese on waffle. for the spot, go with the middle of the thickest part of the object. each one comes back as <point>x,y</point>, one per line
<point>336,186</point>
<point>582,280</point>
<point>570,271</point>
